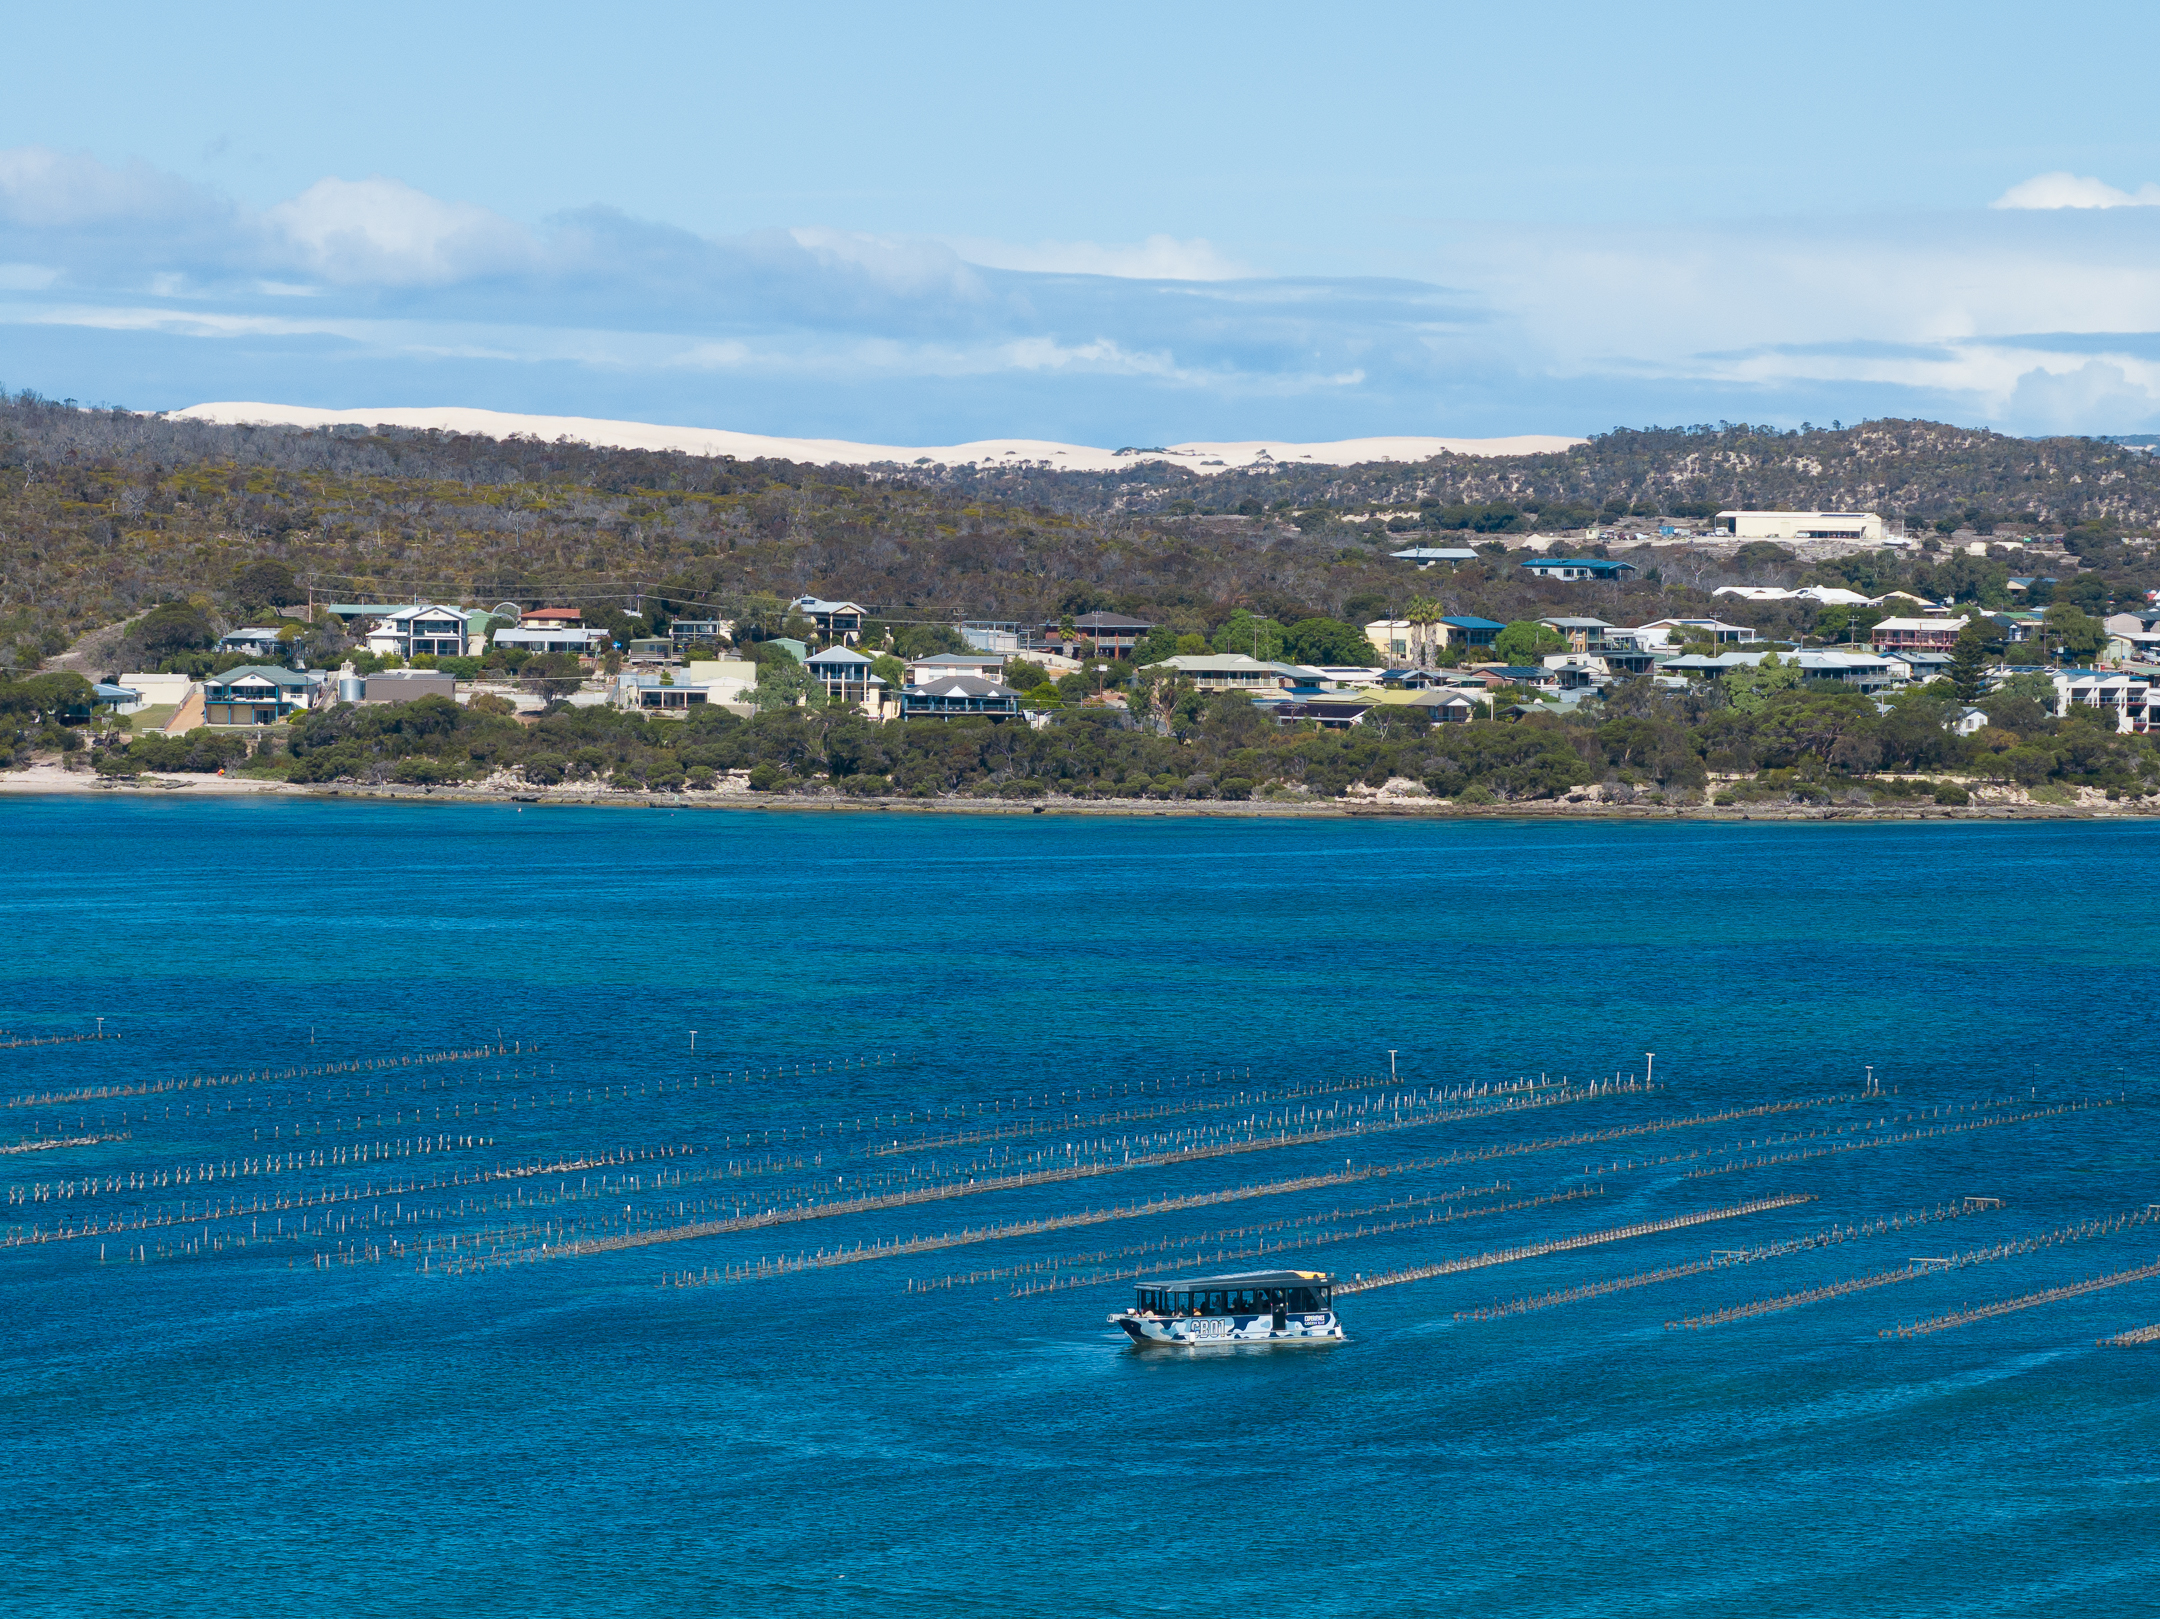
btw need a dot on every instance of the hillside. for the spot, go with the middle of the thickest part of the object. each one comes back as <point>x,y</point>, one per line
<point>104,514</point>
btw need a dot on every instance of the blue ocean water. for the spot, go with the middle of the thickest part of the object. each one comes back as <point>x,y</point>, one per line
<point>310,1406</point>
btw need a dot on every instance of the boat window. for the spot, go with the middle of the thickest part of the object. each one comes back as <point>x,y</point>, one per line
<point>1301,1298</point>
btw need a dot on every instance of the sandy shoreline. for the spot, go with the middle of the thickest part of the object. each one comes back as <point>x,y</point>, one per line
<point>51,780</point>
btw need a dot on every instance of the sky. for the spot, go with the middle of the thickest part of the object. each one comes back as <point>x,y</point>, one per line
<point>1121,224</point>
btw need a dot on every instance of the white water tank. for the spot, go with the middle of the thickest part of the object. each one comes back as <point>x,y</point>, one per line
<point>351,688</point>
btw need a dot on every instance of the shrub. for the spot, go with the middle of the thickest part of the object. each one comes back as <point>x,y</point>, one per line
<point>1233,787</point>
<point>419,772</point>
<point>1949,792</point>
<point>545,769</point>
<point>764,778</point>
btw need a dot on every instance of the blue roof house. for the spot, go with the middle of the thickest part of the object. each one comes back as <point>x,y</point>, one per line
<point>1578,568</point>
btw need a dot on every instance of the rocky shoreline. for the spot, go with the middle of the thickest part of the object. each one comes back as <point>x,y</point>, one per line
<point>1990,803</point>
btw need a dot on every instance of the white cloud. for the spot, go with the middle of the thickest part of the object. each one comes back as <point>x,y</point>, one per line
<point>384,231</point>
<point>41,189</point>
<point>1159,258</point>
<point>2063,189</point>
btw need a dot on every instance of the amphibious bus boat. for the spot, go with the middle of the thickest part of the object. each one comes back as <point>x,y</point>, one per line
<point>1262,1306</point>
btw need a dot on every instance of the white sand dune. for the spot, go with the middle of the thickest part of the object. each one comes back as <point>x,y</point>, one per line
<point>1201,458</point>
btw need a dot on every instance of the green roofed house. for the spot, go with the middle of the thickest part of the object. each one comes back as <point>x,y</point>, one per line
<point>255,694</point>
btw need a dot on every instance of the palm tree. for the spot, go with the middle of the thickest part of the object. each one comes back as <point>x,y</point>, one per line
<point>1423,614</point>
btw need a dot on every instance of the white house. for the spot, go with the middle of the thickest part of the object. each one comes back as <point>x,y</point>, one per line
<point>552,638</point>
<point>1802,525</point>
<point>410,632</point>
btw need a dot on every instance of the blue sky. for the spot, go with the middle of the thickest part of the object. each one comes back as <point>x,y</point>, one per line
<point>1122,224</point>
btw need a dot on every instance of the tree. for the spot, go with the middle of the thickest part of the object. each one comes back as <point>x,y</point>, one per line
<point>1328,640</point>
<point>1969,660</point>
<point>2076,631</point>
<point>267,583</point>
<point>784,683</point>
<point>163,631</point>
<point>889,669</point>
<point>1526,640</point>
<point>1747,690</point>
<point>1260,638</point>
<point>1423,615</point>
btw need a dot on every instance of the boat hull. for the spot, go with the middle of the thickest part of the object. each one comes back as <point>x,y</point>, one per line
<point>1199,1332</point>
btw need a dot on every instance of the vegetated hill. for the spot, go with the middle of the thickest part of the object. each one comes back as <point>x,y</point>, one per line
<point>1921,473</point>
<point>105,513</point>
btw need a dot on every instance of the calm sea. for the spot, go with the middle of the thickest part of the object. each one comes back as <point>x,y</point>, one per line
<point>250,1364</point>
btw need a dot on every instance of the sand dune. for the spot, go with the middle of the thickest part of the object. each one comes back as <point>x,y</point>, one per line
<point>1201,458</point>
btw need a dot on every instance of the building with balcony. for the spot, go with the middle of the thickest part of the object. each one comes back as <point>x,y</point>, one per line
<point>1110,635</point>
<point>410,632</point>
<point>256,694</point>
<point>834,620</point>
<point>1917,634</point>
<point>959,696</point>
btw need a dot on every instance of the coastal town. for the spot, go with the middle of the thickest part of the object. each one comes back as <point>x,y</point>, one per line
<point>1885,698</point>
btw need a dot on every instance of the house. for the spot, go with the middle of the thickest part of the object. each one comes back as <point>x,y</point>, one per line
<point>405,685</point>
<point>1536,676</point>
<point>1579,671</point>
<point>412,632</point>
<point>1450,707</point>
<point>256,694</point>
<point>655,694</point>
<point>154,691</point>
<point>1920,634</point>
<point>2129,697</point>
<point>686,632</point>
<point>1468,631</point>
<point>1917,668</point>
<point>982,665</point>
<point>1331,711</point>
<point>846,677</point>
<point>988,635</point>
<point>792,647</point>
<point>1821,595</point>
<point>352,613</point>
<point>1744,525</point>
<point>2024,582</point>
<point>1661,631</point>
<point>553,618</point>
<point>1234,671</point>
<point>650,649</point>
<point>1578,568</point>
<point>584,643</point>
<point>726,680</point>
<point>1854,669</point>
<point>1426,555</point>
<point>1582,634</point>
<point>956,696</point>
<point>1392,638</point>
<point>1968,720</point>
<point>834,620</point>
<point>1112,635</point>
<point>1347,676</point>
<point>264,643</point>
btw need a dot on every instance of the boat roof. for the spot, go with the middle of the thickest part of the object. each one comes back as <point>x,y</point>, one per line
<point>1243,1278</point>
